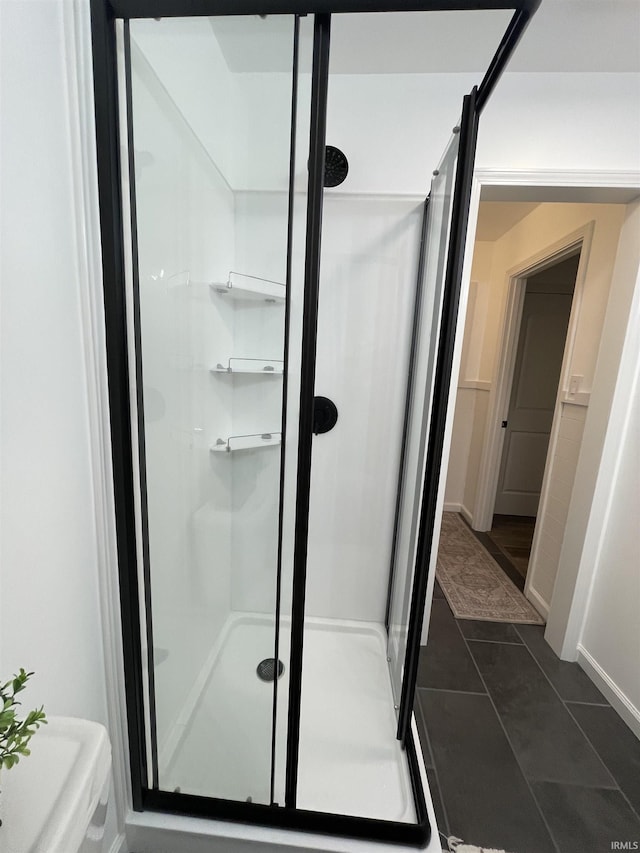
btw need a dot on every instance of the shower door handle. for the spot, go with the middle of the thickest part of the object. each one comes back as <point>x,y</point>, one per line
<point>325,415</point>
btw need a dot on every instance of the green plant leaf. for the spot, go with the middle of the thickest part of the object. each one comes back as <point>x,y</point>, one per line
<point>16,733</point>
<point>7,719</point>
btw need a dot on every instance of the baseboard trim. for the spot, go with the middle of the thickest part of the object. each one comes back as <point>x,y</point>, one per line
<point>475,384</point>
<point>461,509</point>
<point>119,844</point>
<point>464,512</point>
<point>538,602</point>
<point>619,700</point>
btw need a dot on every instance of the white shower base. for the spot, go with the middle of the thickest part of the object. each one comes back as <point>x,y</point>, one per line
<point>350,762</point>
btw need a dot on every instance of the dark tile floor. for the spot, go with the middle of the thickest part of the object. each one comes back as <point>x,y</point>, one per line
<point>523,752</point>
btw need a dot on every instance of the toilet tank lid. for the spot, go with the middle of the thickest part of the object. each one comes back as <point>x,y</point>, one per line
<point>49,798</point>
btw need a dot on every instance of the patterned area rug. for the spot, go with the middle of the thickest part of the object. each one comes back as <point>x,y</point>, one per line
<point>474,584</point>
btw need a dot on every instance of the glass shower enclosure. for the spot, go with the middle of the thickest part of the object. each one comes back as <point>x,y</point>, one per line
<point>280,331</point>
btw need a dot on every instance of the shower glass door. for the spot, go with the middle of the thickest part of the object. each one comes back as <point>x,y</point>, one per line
<point>436,227</point>
<point>431,362</point>
<point>210,176</point>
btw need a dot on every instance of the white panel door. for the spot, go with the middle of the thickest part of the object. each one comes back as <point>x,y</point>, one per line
<point>543,330</point>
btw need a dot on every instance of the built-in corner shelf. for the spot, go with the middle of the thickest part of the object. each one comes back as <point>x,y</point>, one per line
<point>250,288</point>
<point>254,366</point>
<point>234,443</point>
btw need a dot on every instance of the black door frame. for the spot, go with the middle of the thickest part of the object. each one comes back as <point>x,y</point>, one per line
<point>103,17</point>
<point>317,141</point>
<point>441,382</point>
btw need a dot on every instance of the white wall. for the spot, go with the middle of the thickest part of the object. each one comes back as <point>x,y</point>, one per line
<point>595,475</point>
<point>533,121</point>
<point>605,612</point>
<point>562,121</point>
<point>49,593</point>
<point>49,547</point>
<point>611,633</point>
<point>472,399</point>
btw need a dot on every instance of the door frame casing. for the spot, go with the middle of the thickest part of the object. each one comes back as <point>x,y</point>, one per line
<point>500,391</point>
<point>511,342</point>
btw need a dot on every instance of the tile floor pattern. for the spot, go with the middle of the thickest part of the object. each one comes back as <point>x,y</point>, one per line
<point>523,752</point>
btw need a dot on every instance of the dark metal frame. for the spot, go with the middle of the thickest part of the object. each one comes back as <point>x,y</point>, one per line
<point>319,87</point>
<point>285,383</point>
<point>103,16</point>
<point>472,107</point>
<point>191,8</point>
<point>142,452</point>
<point>442,380</point>
<point>109,196</point>
<point>305,820</point>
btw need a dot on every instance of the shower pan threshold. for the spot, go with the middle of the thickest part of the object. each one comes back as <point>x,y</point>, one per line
<point>350,761</point>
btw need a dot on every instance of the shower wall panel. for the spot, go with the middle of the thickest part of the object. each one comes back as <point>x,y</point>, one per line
<point>185,237</point>
<point>190,66</point>
<point>367,291</point>
<point>265,100</point>
<point>261,250</point>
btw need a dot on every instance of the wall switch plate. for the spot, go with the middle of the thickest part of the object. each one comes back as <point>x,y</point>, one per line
<point>574,384</point>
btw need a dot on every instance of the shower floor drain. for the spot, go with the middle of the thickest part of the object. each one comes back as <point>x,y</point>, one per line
<point>266,669</point>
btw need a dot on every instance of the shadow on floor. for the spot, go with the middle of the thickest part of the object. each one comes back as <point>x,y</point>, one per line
<point>512,535</point>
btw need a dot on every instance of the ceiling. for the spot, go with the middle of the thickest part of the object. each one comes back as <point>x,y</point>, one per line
<point>564,36</point>
<point>495,218</point>
<point>581,35</point>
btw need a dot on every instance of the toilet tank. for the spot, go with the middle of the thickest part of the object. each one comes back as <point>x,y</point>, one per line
<point>55,800</point>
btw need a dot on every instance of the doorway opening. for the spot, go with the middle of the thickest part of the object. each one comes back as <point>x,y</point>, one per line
<point>540,337</point>
<point>519,244</point>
